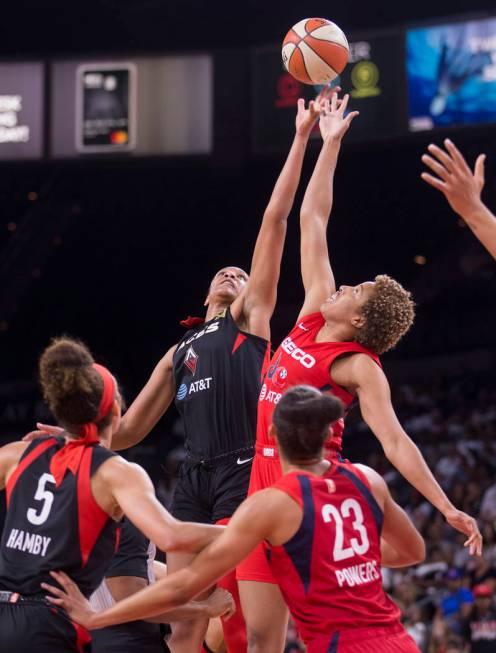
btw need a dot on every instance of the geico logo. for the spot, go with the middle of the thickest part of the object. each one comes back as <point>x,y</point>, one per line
<point>298,354</point>
<point>209,329</point>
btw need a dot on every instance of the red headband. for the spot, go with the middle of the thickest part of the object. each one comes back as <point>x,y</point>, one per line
<point>106,401</point>
<point>70,456</point>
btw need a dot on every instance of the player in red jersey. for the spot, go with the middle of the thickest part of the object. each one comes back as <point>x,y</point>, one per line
<point>334,346</point>
<point>65,497</point>
<point>327,528</point>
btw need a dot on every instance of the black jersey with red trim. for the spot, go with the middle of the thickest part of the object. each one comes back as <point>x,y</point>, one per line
<point>55,528</point>
<point>217,371</point>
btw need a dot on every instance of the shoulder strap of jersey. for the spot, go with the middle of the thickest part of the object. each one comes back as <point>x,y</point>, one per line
<point>33,451</point>
<point>290,484</point>
<point>100,455</point>
<point>310,321</point>
<point>91,517</point>
<point>362,484</point>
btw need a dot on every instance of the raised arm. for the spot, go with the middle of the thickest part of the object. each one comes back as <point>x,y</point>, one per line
<point>360,374</point>
<point>252,522</point>
<point>462,188</point>
<point>132,490</point>
<point>316,271</point>
<point>148,407</point>
<point>255,306</point>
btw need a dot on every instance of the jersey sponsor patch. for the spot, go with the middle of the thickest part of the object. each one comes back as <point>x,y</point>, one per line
<point>303,327</point>
<point>182,392</point>
<point>191,360</point>
<point>297,353</point>
<point>186,389</point>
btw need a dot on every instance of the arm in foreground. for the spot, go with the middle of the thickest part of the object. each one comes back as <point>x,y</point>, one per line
<point>366,378</point>
<point>316,271</point>
<point>462,188</point>
<point>219,603</point>
<point>133,491</point>
<point>251,523</point>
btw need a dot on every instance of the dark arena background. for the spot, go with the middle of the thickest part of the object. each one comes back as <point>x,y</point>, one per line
<point>114,238</point>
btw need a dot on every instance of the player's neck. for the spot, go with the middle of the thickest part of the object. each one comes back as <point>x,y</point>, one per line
<point>317,466</point>
<point>335,332</point>
<point>215,308</point>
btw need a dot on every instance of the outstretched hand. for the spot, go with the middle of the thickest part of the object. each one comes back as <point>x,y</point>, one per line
<point>307,117</point>
<point>333,122</point>
<point>461,187</point>
<point>70,599</point>
<point>468,526</point>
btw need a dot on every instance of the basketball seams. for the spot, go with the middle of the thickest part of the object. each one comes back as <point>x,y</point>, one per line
<point>298,49</point>
<point>320,57</point>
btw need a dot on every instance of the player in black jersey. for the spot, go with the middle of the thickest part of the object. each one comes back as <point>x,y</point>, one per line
<point>65,496</point>
<point>214,373</point>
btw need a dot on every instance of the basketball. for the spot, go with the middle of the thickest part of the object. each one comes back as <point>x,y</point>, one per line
<point>315,51</point>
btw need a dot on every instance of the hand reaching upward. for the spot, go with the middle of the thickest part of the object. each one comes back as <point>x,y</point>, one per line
<point>333,122</point>
<point>307,117</point>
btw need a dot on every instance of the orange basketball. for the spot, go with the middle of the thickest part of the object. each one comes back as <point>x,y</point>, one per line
<point>315,51</point>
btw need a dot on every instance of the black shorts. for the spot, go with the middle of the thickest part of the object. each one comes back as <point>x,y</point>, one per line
<point>27,627</point>
<point>133,637</point>
<point>211,490</point>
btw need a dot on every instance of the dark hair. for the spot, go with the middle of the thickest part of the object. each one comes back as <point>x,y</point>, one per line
<point>71,386</point>
<point>302,419</point>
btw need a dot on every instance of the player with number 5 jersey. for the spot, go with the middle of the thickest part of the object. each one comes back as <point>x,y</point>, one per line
<point>327,527</point>
<point>65,498</point>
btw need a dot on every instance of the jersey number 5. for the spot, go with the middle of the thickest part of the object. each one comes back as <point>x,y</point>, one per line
<point>44,495</point>
<point>357,546</point>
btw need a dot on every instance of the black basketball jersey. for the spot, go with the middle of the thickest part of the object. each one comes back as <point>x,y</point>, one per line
<point>55,528</point>
<point>217,371</point>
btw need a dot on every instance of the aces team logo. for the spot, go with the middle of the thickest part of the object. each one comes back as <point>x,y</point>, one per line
<point>191,360</point>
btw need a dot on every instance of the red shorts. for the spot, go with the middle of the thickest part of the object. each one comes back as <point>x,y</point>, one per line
<point>266,470</point>
<point>386,639</point>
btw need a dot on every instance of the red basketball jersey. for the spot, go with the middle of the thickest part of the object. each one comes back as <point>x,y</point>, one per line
<point>330,570</point>
<point>301,360</point>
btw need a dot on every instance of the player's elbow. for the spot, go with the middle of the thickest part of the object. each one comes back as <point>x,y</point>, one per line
<point>420,551</point>
<point>416,550</point>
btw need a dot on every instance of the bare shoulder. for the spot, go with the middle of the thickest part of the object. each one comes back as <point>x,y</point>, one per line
<point>10,454</point>
<point>117,470</point>
<point>377,483</point>
<point>349,371</point>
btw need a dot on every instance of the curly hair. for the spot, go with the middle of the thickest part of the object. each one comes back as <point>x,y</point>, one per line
<point>389,314</point>
<point>70,385</point>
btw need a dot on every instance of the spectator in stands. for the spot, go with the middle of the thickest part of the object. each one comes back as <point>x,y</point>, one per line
<point>457,604</point>
<point>481,621</point>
